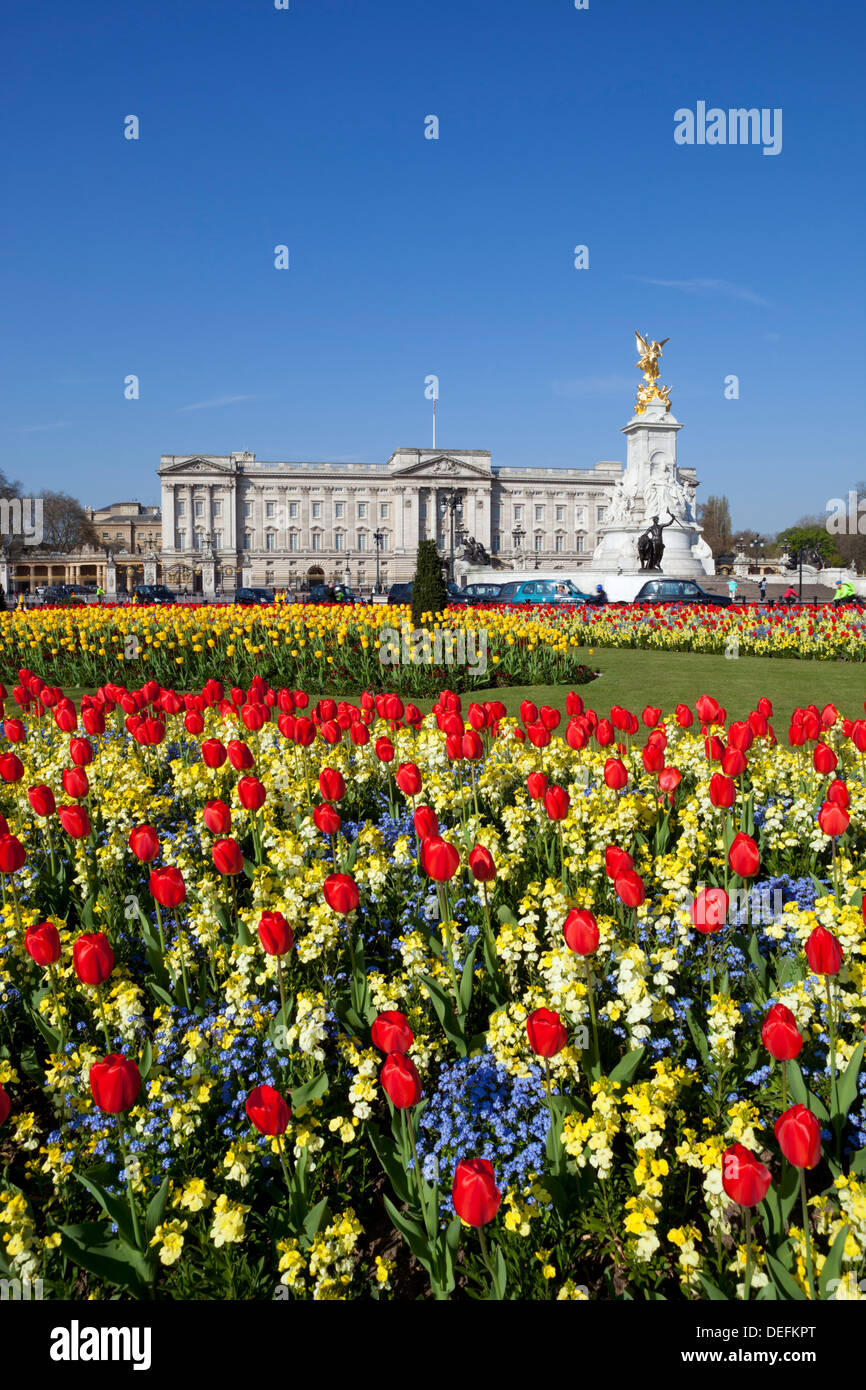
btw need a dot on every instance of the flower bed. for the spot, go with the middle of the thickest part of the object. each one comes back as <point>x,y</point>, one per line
<point>349,1003</point>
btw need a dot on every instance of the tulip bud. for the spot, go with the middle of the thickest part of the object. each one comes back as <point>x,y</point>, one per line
<point>745,1179</point>
<point>341,893</point>
<point>474,1192</point>
<point>92,958</point>
<point>799,1136</point>
<point>115,1083</point>
<point>581,933</point>
<point>144,843</point>
<point>42,943</point>
<point>780,1034</point>
<point>547,1033</point>
<point>823,952</point>
<point>275,934</point>
<point>400,1081</point>
<point>391,1032</point>
<point>268,1110</point>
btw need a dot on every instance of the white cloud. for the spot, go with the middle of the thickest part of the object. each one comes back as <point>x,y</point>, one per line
<point>216,401</point>
<point>699,285</point>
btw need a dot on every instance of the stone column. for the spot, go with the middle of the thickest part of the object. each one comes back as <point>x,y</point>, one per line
<point>110,577</point>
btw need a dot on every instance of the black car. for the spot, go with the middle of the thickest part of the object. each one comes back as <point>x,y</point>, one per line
<point>254,597</point>
<point>678,591</point>
<point>60,593</point>
<point>474,594</point>
<point>400,593</point>
<point>153,593</point>
<point>326,593</point>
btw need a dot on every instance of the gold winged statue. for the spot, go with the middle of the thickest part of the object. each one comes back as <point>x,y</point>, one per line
<point>650,352</point>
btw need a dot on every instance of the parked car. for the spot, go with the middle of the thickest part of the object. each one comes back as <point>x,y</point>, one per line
<point>678,591</point>
<point>59,593</point>
<point>550,591</point>
<point>474,594</point>
<point>152,593</point>
<point>400,593</point>
<point>326,593</point>
<point>254,597</point>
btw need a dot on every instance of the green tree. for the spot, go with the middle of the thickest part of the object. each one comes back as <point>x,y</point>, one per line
<point>715,517</point>
<point>810,537</point>
<point>429,594</point>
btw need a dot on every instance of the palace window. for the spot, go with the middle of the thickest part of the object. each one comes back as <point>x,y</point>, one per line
<point>199,508</point>
<point>317,540</point>
<point>339,539</point>
<point>217,508</point>
<point>579,545</point>
<point>362,509</point>
<point>580,515</point>
<point>539,513</point>
<point>248,540</point>
<point>383,510</point>
<point>495,542</point>
<point>338,510</point>
<point>218,540</point>
<point>293,511</point>
<point>293,540</point>
<point>539,543</point>
<point>384,544</point>
<point>600,512</point>
<point>518,512</point>
<point>317,509</point>
<point>270,509</point>
<point>270,540</point>
<point>248,509</point>
<point>181,509</point>
<point>559,545</point>
<point>560,514</point>
<point>362,539</point>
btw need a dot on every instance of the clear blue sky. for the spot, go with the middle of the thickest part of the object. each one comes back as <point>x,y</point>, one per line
<point>411,256</point>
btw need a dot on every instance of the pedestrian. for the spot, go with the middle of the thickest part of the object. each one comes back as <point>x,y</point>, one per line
<point>732,589</point>
<point>763,588</point>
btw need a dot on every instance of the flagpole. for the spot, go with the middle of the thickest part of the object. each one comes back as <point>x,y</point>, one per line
<point>434,422</point>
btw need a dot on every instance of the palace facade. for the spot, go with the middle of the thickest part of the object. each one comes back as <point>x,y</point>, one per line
<point>291,524</point>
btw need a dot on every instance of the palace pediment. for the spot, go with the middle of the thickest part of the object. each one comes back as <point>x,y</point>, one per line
<point>195,463</point>
<point>444,466</point>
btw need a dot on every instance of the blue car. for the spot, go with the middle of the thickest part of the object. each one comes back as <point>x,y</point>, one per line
<point>550,591</point>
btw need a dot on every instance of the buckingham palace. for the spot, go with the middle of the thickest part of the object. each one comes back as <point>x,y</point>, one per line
<point>246,521</point>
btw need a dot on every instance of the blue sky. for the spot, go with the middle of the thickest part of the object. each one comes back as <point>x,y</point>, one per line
<point>411,257</point>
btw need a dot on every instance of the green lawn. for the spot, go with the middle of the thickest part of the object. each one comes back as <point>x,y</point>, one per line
<point>638,678</point>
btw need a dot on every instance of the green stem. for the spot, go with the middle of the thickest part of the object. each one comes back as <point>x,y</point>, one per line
<point>52,977</point>
<point>591,996</point>
<point>446,932</point>
<point>104,1019</point>
<point>132,1208</point>
<point>748,1279</point>
<point>834,1085</point>
<point>807,1235</point>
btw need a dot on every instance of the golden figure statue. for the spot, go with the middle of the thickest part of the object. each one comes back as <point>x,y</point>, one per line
<point>650,352</point>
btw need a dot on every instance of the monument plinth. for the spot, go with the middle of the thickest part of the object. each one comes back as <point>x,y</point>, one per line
<point>651,522</point>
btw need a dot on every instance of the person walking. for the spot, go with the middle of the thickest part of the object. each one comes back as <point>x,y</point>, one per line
<point>732,589</point>
<point>762,587</point>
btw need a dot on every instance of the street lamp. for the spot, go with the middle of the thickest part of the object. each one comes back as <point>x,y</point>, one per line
<point>452,505</point>
<point>379,539</point>
<point>348,571</point>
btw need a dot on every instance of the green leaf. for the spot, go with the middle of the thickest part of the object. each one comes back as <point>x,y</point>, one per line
<point>711,1291</point>
<point>146,1060</point>
<point>444,1011</point>
<point>90,1247</point>
<point>51,1035</point>
<point>626,1067</point>
<point>802,1096</point>
<point>115,1208</point>
<point>779,1202</point>
<point>699,1038</point>
<point>310,1091</point>
<point>785,1285</point>
<point>858,1164</point>
<point>414,1235</point>
<point>467,977</point>
<point>156,1208</point>
<point>832,1266</point>
<point>388,1155</point>
<point>30,1064</point>
<point>316,1218</point>
<point>161,994</point>
<point>506,916</point>
<point>846,1085</point>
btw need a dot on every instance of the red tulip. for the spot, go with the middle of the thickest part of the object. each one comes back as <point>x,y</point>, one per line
<point>408,779</point>
<point>391,1032</point>
<point>341,893</point>
<point>268,1111</point>
<point>629,888</point>
<point>684,716</point>
<point>734,762</point>
<point>709,710</point>
<point>5,1106</point>
<point>536,784</point>
<point>745,1179</point>
<point>474,1192</point>
<point>42,943</point>
<point>332,784</point>
<point>167,886</point>
<point>251,793</point>
<point>425,822</point>
<point>743,856</point>
<point>833,819</point>
<point>780,1034</point>
<point>615,774</point>
<point>651,716</point>
<point>547,1033</point>
<point>710,910</point>
<point>439,859</point>
<point>616,860</point>
<point>115,1083</point>
<point>669,780</point>
<point>723,793</point>
<point>42,800</point>
<point>228,858</point>
<point>824,760</point>
<point>556,803</point>
<point>823,952</point>
<point>75,782</point>
<point>75,821</point>
<point>482,865</point>
<point>81,752</point>
<point>799,1136</point>
<point>327,819</point>
<point>213,753</point>
<point>11,767</point>
<point>838,793</point>
<point>93,958</point>
<point>275,934</point>
<point>580,930</point>
<point>384,750</point>
<point>400,1081</point>
<point>240,755</point>
<point>144,843</point>
<point>653,757</point>
<point>217,817</point>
